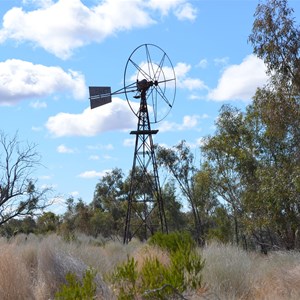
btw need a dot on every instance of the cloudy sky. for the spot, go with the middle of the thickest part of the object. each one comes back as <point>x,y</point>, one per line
<point>52,51</point>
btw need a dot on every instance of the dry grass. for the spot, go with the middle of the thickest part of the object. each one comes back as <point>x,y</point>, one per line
<point>33,268</point>
<point>231,273</point>
<point>15,281</point>
<point>149,252</point>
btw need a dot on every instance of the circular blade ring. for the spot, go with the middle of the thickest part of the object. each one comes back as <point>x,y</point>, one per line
<point>151,69</point>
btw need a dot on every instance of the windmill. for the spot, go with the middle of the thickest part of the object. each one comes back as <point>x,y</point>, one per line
<point>150,88</point>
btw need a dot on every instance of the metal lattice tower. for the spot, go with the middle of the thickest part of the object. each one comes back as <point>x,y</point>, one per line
<point>144,205</point>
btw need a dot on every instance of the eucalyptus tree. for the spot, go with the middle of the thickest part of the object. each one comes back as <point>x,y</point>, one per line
<point>176,219</point>
<point>108,203</point>
<point>191,180</point>
<point>230,156</point>
<point>275,38</point>
<point>276,107</point>
<point>255,155</point>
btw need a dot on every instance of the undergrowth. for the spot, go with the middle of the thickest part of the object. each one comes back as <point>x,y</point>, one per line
<point>155,279</point>
<point>76,289</point>
<point>35,267</point>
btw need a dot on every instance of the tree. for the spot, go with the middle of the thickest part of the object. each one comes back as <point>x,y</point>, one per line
<point>109,196</point>
<point>255,171</point>
<point>76,219</point>
<point>276,39</point>
<point>230,157</point>
<point>47,222</point>
<point>19,195</point>
<point>276,108</point>
<point>255,156</point>
<point>205,195</point>
<point>16,226</point>
<point>192,181</point>
<point>82,219</point>
<point>221,229</point>
<point>109,190</point>
<point>175,217</point>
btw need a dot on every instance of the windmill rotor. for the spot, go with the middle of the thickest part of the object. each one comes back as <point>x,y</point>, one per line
<point>151,69</point>
<point>148,68</point>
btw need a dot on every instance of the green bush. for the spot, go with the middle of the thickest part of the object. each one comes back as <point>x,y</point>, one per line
<point>156,280</point>
<point>76,289</point>
<point>173,241</point>
<point>125,277</point>
<point>153,275</point>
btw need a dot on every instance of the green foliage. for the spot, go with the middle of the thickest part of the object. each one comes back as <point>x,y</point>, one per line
<point>47,222</point>
<point>76,289</point>
<point>173,241</point>
<point>125,276</point>
<point>153,274</point>
<point>222,228</point>
<point>180,163</point>
<point>158,280</point>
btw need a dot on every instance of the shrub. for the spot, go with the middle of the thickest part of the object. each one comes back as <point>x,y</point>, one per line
<point>76,289</point>
<point>156,280</point>
<point>125,276</point>
<point>173,241</point>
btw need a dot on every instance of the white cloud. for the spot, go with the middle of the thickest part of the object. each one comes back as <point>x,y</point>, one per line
<point>185,82</point>
<point>75,194</point>
<point>192,84</point>
<point>239,82</point>
<point>129,142</point>
<point>100,147</point>
<point>164,6</point>
<point>64,149</point>
<point>38,3</point>
<point>186,12</point>
<point>58,205</point>
<point>197,143</point>
<point>114,116</point>
<point>221,61</point>
<point>202,63</point>
<point>182,9</point>
<point>62,26</point>
<point>93,174</point>
<point>94,157</point>
<point>188,122</point>
<point>21,79</point>
<point>36,128</point>
<point>68,24</point>
<point>38,104</point>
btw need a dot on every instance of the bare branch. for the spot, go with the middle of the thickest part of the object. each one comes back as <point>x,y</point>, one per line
<point>19,195</point>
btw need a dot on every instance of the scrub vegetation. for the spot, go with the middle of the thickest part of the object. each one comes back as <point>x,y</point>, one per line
<point>48,267</point>
<point>237,238</point>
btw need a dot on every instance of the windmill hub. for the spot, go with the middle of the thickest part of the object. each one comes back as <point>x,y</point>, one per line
<point>144,85</point>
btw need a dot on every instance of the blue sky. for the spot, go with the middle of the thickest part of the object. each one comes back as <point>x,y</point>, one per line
<point>52,51</point>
